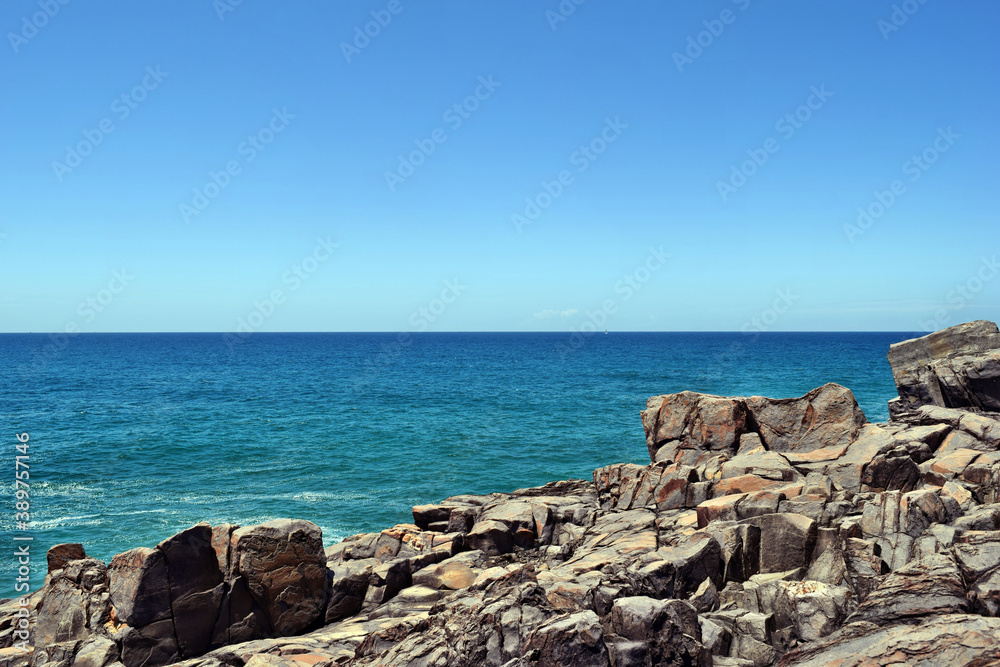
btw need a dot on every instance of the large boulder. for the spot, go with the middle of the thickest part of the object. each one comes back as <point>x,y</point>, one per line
<point>691,421</point>
<point>827,416</point>
<point>681,428</point>
<point>284,567</point>
<point>957,367</point>
<point>196,587</point>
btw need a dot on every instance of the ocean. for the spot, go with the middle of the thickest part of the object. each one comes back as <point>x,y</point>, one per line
<point>134,437</point>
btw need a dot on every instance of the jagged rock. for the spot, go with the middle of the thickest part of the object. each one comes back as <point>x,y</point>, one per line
<point>140,591</point>
<point>951,639</point>
<point>786,541</point>
<point>643,631</point>
<point>196,590</point>
<point>706,597</point>
<point>893,470</point>
<point>284,566</point>
<point>491,537</point>
<point>97,651</point>
<point>818,608</point>
<point>678,571</point>
<point>827,416</point>
<point>688,421</point>
<point>812,520</point>
<point>61,554</point>
<point>958,367</point>
<point>74,603</point>
<point>576,639</point>
<point>933,585</point>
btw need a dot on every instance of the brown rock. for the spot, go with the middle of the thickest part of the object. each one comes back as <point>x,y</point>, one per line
<point>786,541</point>
<point>692,421</point>
<point>59,555</point>
<point>576,640</point>
<point>195,587</point>
<point>140,590</point>
<point>826,417</point>
<point>491,537</point>
<point>644,631</point>
<point>284,567</point>
<point>722,508</point>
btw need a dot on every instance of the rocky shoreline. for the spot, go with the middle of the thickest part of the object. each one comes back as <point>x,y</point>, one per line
<point>764,531</point>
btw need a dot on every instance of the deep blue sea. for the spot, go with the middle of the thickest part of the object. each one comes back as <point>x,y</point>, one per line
<point>134,437</point>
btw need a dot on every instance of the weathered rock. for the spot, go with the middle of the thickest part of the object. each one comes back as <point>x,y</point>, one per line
<point>61,554</point>
<point>195,587</point>
<point>689,421</point>
<point>952,639</point>
<point>930,586</point>
<point>676,572</point>
<point>491,537</point>
<point>284,566</point>
<point>827,416</point>
<point>140,590</point>
<point>786,541</point>
<point>644,631</point>
<point>74,603</point>
<point>958,367</point>
<point>96,651</point>
<point>576,639</point>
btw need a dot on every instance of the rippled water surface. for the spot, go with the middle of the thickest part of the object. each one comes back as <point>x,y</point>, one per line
<point>136,436</point>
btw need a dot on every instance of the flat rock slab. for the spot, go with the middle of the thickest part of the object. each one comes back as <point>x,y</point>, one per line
<point>951,639</point>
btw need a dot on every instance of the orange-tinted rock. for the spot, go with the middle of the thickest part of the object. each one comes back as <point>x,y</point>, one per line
<point>826,417</point>
<point>689,420</point>
<point>61,554</point>
<point>954,462</point>
<point>744,484</point>
<point>722,509</point>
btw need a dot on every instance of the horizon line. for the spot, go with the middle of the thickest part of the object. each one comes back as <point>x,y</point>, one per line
<point>470,331</point>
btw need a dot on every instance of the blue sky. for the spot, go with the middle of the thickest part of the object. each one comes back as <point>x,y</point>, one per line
<point>647,112</point>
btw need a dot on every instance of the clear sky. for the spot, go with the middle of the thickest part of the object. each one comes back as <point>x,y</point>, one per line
<point>180,166</point>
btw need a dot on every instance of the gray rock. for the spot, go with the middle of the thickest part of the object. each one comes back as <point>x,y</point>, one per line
<point>958,367</point>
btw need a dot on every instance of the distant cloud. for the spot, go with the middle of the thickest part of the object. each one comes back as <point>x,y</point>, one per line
<point>546,314</point>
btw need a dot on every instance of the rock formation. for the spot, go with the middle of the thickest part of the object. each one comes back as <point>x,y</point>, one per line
<point>763,532</point>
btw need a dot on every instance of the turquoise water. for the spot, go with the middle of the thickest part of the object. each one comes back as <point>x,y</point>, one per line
<point>136,436</point>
